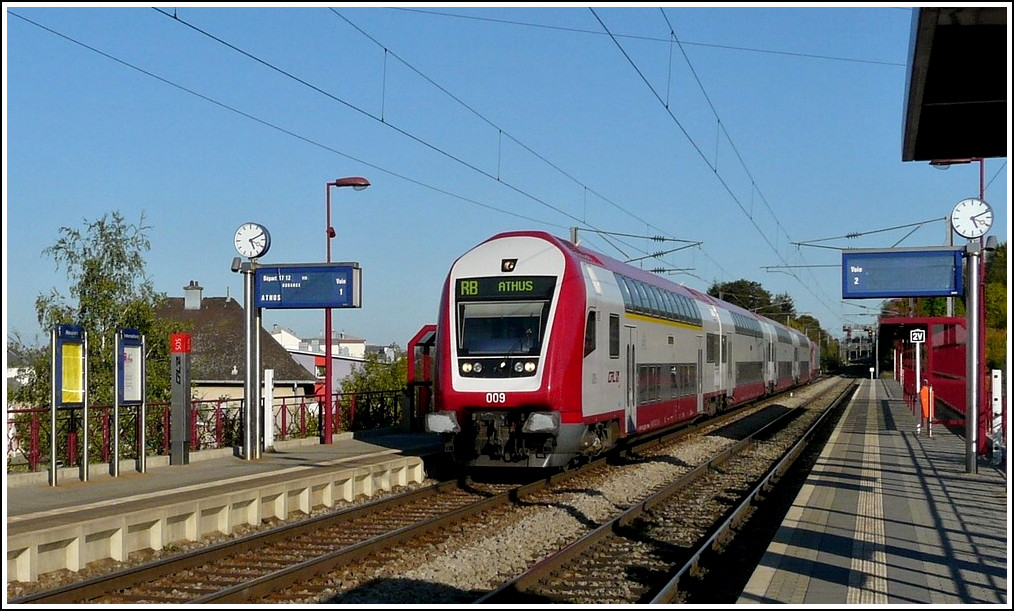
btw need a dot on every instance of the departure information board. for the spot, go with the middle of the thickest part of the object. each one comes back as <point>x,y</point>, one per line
<point>323,285</point>
<point>902,272</point>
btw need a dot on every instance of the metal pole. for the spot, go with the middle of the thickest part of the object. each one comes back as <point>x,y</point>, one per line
<point>255,408</point>
<point>358,183</point>
<point>876,350</point>
<point>142,444</point>
<point>248,386</point>
<point>84,426</point>
<point>981,374</point>
<point>918,368</point>
<point>326,432</point>
<point>972,357</point>
<point>52,411</point>
<point>114,466</point>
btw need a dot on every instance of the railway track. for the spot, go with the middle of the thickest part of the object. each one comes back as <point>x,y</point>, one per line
<point>643,554</point>
<point>240,569</point>
<point>361,554</point>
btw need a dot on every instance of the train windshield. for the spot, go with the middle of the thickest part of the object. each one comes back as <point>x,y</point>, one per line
<point>502,329</point>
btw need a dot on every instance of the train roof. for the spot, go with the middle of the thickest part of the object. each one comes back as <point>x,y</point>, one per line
<point>620,267</point>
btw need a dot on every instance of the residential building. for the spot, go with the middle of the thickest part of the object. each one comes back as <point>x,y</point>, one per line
<point>218,340</point>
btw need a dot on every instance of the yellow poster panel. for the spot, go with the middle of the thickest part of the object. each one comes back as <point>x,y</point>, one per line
<point>72,382</point>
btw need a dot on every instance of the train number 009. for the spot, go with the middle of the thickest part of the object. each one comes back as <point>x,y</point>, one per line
<point>496,397</point>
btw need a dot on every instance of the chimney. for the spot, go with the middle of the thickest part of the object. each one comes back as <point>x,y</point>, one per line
<point>192,296</point>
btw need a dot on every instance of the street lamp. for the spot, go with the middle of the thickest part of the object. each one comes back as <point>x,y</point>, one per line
<point>976,316</point>
<point>358,183</point>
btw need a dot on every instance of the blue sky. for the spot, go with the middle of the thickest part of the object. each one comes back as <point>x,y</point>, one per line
<point>748,130</point>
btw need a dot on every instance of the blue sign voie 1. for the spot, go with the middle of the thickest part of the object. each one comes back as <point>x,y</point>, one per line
<point>901,272</point>
<point>310,285</point>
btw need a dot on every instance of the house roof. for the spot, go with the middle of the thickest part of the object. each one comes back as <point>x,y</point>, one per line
<point>218,339</point>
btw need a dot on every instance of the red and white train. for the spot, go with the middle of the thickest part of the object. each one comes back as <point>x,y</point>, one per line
<point>548,353</point>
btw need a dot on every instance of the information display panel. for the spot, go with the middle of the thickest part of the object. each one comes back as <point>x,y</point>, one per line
<point>131,367</point>
<point>324,285</point>
<point>901,272</point>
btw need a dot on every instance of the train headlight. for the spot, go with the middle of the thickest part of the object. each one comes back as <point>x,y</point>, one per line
<point>519,367</point>
<point>477,367</point>
<point>529,367</point>
<point>542,422</point>
<point>441,422</point>
<point>466,368</point>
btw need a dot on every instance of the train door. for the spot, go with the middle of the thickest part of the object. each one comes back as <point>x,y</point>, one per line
<point>631,371</point>
<point>727,371</point>
<point>771,372</point>
<point>795,365</point>
<point>725,359</point>
<point>699,378</point>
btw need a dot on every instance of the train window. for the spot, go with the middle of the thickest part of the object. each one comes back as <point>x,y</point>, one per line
<point>628,295</point>
<point>649,299</point>
<point>649,384</point>
<point>684,310</point>
<point>783,335</point>
<point>694,313</point>
<point>640,298</point>
<point>652,299</point>
<point>621,282</point>
<point>670,299</point>
<point>661,308</point>
<point>646,300</point>
<point>725,349</point>
<point>681,380</point>
<point>712,348</point>
<point>589,333</point>
<point>663,298</point>
<point>501,328</point>
<point>614,336</point>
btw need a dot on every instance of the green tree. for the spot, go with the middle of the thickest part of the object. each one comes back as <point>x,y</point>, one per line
<point>996,265</point>
<point>378,386</point>
<point>108,291</point>
<point>995,286</point>
<point>377,374</point>
<point>750,295</point>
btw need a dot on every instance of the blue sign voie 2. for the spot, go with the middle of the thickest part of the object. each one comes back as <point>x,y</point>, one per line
<point>901,272</point>
<point>311,285</point>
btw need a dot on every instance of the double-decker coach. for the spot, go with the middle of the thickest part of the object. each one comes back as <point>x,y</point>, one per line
<point>548,353</point>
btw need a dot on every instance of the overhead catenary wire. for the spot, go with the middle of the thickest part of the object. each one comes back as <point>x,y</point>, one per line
<point>725,185</point>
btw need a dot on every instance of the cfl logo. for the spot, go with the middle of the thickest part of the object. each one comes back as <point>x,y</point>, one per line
<point>508,265</point>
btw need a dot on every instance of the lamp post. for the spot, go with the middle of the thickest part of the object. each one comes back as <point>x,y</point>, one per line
<point>358,183</point>
<point>976,316</point>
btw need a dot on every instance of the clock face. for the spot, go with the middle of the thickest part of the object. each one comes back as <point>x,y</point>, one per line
<point>972,218</point>
<point>252,240</point>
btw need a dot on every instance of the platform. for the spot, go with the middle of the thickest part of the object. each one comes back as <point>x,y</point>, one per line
<point>78,521</point>
<point>890,515</point>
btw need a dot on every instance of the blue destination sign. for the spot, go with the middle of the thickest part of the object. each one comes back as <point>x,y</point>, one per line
<point>901,272</point>
<point>321,285</point>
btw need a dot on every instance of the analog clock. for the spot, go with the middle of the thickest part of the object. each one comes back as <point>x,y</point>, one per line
<point>252,240</point>
<point>972,218</point>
